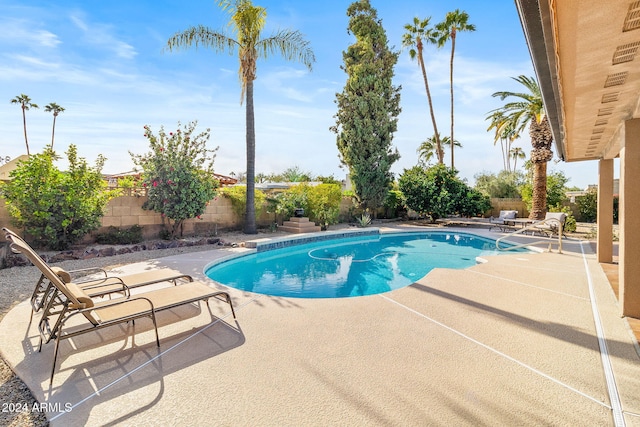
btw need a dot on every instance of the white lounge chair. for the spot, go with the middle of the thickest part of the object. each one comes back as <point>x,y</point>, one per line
<point>504,220</point>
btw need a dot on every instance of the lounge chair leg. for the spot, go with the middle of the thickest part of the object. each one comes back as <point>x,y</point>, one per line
<point>55,357</point>
<point>155,328</point>
<point>231,305</point>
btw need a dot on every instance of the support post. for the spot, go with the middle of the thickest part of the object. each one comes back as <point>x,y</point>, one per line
<point>629,220</point>
<point>605,211</point>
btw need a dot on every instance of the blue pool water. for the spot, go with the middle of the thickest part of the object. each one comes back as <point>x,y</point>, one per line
<point>350,267</point>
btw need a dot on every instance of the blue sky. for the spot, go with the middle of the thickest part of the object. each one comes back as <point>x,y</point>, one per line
<point>103,61</point>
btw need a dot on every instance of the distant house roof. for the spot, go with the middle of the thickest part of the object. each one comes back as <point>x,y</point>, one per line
<point>10,166</point>
<point>225,180</point>
<point>113,178</point>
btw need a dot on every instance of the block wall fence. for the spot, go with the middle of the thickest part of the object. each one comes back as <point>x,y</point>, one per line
<point>126,211</point>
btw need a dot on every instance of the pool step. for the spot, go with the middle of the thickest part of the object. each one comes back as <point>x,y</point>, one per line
<point>299,225</point>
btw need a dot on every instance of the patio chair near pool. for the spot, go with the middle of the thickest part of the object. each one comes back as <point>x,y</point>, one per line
<point>69,301</point>
<point>105,285</point>
<point>504,220</point>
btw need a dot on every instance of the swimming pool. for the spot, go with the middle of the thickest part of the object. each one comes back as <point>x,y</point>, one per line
<point>352,266</point>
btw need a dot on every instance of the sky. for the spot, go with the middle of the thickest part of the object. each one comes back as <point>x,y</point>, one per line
<point>105,62</point>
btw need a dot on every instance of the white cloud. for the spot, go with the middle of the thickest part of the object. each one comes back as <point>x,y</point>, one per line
<point>22,32</point>
<point>46,38</point>
<point>283,82</point>
<point>101,35</point>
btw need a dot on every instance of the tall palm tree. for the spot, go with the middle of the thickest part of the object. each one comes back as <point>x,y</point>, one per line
<point>418,31</point>
<point>25,103</point>
<point>54,108</point>
<point>528,109</point>
<point>516,153</point>
<point>246,23</point>
<point>453,23</point>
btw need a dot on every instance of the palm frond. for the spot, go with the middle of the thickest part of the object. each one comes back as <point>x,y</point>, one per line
<point>202,36</point>
<point>290,44</point>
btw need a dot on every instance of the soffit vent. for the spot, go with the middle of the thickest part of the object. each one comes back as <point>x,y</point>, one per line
<point>601,122</point>
<point>625,53</point>
<point>616,79</point>
<point>610,97</point>
<point>632,20</point>
<point>606,111</point>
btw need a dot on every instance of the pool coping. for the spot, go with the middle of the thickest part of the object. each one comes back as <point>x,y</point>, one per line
<point>267,244</point>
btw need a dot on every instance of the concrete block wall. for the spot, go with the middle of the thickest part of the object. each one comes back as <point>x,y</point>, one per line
<point>126,211</point>
<point>498,205</point>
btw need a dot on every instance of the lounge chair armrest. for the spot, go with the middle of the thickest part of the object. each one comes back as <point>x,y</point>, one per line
<point>120,302</point>
<point>86,271</point>
<point>101,282</point>
<point>109,281</point>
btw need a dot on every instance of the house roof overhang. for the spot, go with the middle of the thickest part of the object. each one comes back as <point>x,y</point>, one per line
<point>584,55</point>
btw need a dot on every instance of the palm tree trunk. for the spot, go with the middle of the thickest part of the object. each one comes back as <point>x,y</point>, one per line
<point>53,130</point>
<point>250,217</point>
<point>453,49</point>
<point>505,163</point>
<point>439,151</point>
<point>24,124</point>
<point>539,197</point>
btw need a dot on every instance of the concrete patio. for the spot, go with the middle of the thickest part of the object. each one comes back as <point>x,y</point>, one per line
<point>514,341</point>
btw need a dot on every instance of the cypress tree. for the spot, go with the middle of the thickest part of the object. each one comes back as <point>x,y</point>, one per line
<point>368,107</point>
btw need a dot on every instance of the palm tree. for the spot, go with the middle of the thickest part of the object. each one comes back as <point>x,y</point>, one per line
<point>417,32</point>
<point>453,22</point>
<point>246,23</point>
<point>25,103</point>
<point>446,142</point>
<point>54,108</point>
<point>427,150</point>
<point>529,109</point>
<point>504,132</point>
<point>516,153</point>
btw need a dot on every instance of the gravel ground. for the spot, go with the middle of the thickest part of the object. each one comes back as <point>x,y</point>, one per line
<point>17,284</point>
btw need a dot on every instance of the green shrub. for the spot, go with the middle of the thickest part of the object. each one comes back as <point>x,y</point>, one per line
<point>293,198</point>
<point>437,192</point>
<point>57,208</point>
<point>588,206</point>
<point>324,204</point>
<point>394,204</point>
<point>118,236</point>
<point>238,197</point>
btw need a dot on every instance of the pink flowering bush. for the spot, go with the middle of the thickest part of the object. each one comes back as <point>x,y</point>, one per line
<point>178,174</point>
